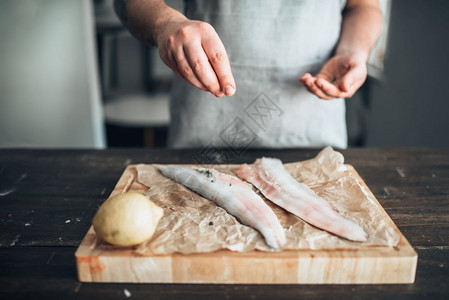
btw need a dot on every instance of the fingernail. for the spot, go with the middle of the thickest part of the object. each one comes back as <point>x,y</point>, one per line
<point>229,90</point>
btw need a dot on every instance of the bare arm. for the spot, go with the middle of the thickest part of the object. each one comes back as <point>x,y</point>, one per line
<point>192,49</point>
<point>362,23</point>
<point>146,18</point>
<point>345,73</point>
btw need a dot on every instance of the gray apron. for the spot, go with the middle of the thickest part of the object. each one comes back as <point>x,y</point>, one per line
<point>270,44</point>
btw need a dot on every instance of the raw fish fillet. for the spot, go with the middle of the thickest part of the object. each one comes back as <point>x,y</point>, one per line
<point>277,185</point>
<point>235,196</point>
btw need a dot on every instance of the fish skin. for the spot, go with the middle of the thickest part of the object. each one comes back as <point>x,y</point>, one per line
<point>278,186</point>
<point>235,196</point>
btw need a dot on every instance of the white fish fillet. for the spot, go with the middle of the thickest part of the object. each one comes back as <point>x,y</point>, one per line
<point>277,185</point>
<point>235,196</point>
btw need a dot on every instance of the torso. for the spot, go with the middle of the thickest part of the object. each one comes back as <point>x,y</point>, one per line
<point>270,44</point>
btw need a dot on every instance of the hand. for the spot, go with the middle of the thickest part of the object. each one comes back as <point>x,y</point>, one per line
<point>193,50</point>
<point>340,77</point>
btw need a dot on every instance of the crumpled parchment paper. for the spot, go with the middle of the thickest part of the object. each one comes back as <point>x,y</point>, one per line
<point>193,224</point>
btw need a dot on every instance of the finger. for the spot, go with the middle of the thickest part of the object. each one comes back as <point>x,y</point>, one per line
<point>186,71</point>
<point>307,80</point>
<point>169,60</point>
<point>218,58</point>
<point>311,87</point>
<point>353,79</point>
<point>303,78</point>
<point>203,70</point>
<point>329,89</point>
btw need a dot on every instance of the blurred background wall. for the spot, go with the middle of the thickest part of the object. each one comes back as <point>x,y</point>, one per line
<point>49,88</point>
<point>403,103</point>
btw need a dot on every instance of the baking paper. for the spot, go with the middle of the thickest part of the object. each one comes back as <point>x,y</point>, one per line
<point>193,224</point>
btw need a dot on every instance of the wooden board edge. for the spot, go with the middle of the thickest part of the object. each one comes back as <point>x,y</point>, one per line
<point>394,266</point>
<point>201,271</point>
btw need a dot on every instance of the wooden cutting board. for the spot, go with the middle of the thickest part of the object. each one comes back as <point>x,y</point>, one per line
<point>364,265</point>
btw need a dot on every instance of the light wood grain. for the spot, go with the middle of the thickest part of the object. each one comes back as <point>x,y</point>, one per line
<point>367,265</point>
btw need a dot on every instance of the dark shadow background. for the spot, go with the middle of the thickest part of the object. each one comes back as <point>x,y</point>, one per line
<point>411,106</point>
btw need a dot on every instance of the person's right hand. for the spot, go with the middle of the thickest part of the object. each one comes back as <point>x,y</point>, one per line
<point>193,50</point>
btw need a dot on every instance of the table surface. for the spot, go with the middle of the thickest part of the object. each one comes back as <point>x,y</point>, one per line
<point>49,197</point>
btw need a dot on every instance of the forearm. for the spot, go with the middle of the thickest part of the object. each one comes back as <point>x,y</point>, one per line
<point>362,23</point>
<point>146,18</point>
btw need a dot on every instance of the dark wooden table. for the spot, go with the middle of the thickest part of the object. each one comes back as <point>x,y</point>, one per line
<point>48,199</point>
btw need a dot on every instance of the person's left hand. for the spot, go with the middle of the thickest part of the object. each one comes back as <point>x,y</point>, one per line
<point>340,77</point>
